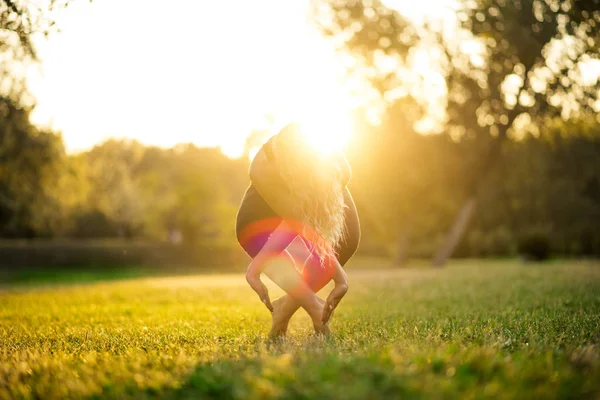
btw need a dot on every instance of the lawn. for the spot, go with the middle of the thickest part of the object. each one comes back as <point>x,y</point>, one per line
<point>474,329</point>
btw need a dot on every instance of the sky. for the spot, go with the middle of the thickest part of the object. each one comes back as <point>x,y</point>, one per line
<point>205,72</point>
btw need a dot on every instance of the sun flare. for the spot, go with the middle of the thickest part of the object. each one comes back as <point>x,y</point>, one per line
<point>327,135</point>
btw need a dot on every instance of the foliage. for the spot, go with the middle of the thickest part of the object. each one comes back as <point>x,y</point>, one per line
<point>409,186</point>
<point>138,191</point>
<point>534,246</point>
<point>493,330</point>
<point>21,22</point>
<point>405,184</point>
<point>499,67</point>
<point>34,171</point>
<point>502,59</point>
<point>49,256</point>
<point>504,65</point>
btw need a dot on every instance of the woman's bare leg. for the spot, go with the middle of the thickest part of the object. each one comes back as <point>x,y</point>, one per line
<point>290,280</point>
<point>286,306</point>
<point>283,309</point>
<point>287,278</point>
<point>281,316</point>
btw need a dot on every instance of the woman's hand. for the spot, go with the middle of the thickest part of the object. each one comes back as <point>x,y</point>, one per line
<point>279,240</point>
<point>256,284</point>
<point>339,291</point>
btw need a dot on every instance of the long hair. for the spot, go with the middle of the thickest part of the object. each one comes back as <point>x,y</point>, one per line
<point>316,187</point>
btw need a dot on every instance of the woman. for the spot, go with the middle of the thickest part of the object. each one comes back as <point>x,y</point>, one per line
<point>298,194</point>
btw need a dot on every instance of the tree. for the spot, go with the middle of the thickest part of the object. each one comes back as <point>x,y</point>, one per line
<point>114,192</point>
<point>38,183</point>
<point>525,65</point>
<point>202,202</point>
<point>32,166</point>
<point>20,22</point>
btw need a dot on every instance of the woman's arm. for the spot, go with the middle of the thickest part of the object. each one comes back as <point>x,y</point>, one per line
<point>340,280</point>
<point>265,177</point>
<point>275,245</point>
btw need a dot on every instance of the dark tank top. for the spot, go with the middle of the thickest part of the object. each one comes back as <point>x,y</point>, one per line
<point>253,206</point>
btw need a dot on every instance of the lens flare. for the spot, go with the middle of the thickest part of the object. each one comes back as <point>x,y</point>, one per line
<point>255,235</point>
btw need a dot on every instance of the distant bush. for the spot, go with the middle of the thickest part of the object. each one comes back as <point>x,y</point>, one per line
<point>117,253</point>
<point>494,243</point>
<point>371,249</point>
<point>535,246</point>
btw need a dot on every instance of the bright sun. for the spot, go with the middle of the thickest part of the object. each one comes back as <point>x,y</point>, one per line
<point>327,131</point>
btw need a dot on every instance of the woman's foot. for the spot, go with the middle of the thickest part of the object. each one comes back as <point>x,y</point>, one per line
<point>280,322</point>
<point>324,329</point>
<point>321,328</point>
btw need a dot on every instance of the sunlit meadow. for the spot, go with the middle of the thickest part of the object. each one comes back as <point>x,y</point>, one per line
<point>473,329</point>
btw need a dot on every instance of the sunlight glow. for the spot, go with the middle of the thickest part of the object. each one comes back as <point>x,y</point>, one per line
<point>211,87</point>
<point>209,76</point>
<point>328,132</point>
<point>232,148</point>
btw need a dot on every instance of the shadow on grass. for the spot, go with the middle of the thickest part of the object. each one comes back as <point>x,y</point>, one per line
<point>326,372</point>
<point>326,377</point>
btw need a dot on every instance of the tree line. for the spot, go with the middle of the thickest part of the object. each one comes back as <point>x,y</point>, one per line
<point>511,166</point>
<point>505,66</point>
<point>408,188</point>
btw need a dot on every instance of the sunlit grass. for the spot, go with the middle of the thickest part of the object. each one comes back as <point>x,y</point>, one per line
<point>493,329</point>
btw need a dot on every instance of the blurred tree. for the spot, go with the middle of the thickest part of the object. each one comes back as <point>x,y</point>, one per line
<point>203,181</point>
<point>407,180</point>
<point>33,171</point>
<point>20,23</point>
<point>113,188</point>
<point>139,191</point>
<point>507,63</point>
<point>40,184</point>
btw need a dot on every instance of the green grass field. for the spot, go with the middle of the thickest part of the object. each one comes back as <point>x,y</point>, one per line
<point>471,330</point>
